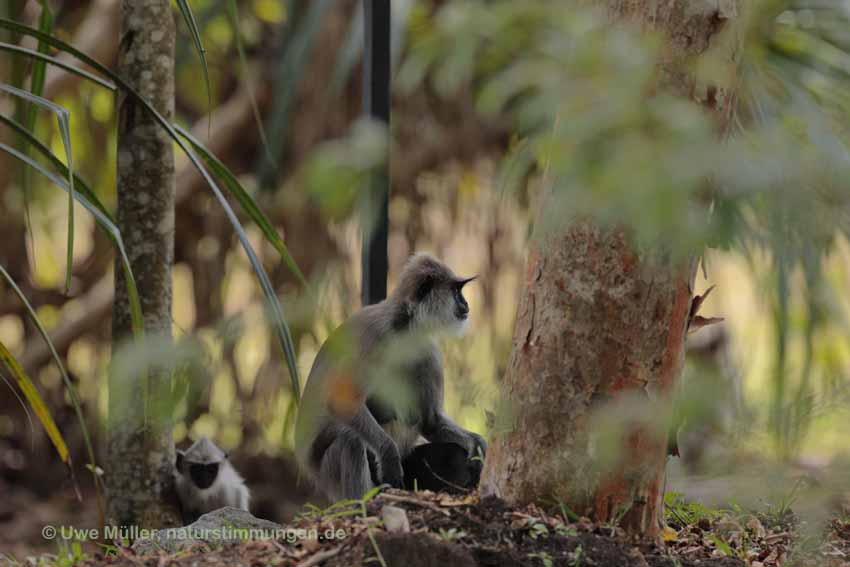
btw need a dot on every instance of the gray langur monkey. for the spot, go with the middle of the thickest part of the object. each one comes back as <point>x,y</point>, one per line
<point>206,481</point>
<point>351,433</point>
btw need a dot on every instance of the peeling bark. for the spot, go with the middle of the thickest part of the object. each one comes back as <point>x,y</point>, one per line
<point>140,450</point>
<point>598,322</point>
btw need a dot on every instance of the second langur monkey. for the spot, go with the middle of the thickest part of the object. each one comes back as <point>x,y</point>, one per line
<point>345,422</point>
<point>206,481</point>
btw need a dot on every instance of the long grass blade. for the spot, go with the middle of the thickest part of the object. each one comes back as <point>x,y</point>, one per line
<point>275,309</point>
<point>36,402</point>
<point>246,202</point>
<point>38,75</point>
<point>64,118</point>
<point>23,405</point>
<point>37,79</point>
<point>69,386</point>
<point>79,184</point>
<point>91,203</point>
<point>12,48</point>
<point>195,32</point>
<point>233,16</point>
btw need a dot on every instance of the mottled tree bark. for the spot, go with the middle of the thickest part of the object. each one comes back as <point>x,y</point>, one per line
<point>599,321</point>
<point>140,447</point>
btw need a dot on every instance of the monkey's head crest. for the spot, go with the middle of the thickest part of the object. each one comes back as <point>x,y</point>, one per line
<point>433,295</point>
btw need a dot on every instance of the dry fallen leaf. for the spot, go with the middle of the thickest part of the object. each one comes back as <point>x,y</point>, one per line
<point>755,526</point>
<point>695,320</point>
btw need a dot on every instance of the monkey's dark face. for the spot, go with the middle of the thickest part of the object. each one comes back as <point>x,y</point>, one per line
<point>203,475</point>
<point>441,303</point>
<point>461,306</point>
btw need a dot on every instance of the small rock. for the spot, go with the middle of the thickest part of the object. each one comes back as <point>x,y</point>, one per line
<point>395,519</point>
<point>222,526</point>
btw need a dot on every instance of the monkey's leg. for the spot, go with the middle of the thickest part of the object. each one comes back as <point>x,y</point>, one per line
<point>344,469</point>
<point>374,467</point>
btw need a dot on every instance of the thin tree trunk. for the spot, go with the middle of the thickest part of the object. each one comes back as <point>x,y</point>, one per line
<point>140,447</point>
<point>597,322</point>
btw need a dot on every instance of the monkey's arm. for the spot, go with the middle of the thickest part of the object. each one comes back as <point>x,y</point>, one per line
<point>439,428</point>
<point>436,426</point>
<point>378,440</point>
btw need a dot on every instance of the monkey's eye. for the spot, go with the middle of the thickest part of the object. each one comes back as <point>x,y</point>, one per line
<point>458,292</point>
<point>462,307</point>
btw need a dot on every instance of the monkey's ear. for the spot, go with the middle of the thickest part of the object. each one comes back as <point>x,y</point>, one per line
<point>178,464</point>
<point>426,284</point>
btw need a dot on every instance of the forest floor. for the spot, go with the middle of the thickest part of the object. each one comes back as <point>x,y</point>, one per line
<point>403,529</point>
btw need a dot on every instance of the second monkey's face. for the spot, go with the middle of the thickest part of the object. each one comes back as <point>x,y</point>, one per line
<point>203,475</point>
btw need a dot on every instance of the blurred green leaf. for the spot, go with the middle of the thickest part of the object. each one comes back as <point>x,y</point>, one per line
<point>337,170</point>
<point>183,360</point>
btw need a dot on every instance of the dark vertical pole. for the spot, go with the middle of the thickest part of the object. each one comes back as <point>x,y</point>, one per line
<point>376,103</point>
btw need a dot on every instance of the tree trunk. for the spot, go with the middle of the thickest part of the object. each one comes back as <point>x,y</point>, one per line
<point>598,322</point>
<point>140,449</point>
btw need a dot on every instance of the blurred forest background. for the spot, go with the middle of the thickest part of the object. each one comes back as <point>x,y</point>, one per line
<point>467,161</point>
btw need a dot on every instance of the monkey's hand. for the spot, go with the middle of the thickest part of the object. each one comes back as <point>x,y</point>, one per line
<point>391,471</point>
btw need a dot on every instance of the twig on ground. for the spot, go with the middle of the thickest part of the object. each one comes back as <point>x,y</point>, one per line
<point>410,500</point>
<point>321,556</point>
